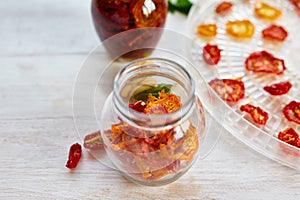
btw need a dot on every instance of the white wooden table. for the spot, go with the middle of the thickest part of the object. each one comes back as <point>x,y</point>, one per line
<point>43,43</point>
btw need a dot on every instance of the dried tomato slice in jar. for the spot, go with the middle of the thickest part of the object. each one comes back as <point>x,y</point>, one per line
<point>290,136</point>
<point>258,115</point>
<point>209,30</point>
<point>274,32</point>
<point>149,13</point>
<point>230,90</point>
<point>278,88</point>
<point>211,54</point>
<point>266,11</point>
<point>240,28</point>
<point>263,61</point>
<point>224,7</point>
<point>292,111</point>
<point>74,156</point>
<point>156,109</point>
<point>138,106</point>
<point>93,141</point>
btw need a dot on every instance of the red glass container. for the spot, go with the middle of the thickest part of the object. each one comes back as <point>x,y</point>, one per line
<point>112,17</point>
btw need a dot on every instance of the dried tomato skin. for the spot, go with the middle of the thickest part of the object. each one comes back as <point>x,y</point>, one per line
<point>275,32</point>
<point>211,54</point>
<point>230,90</point>
<point>74,156</point>
<point>224,7</point>
<point>263,61</point>
<point>292,111</point>
<point>290,136</point>
<point>258,115</point>
<point>280,88</point>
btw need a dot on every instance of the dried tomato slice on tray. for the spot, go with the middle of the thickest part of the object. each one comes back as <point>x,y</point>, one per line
<point>240,28</point>
<point>209,30</point>
<point>278,88</point>
<point>296,4</point>
<point>274,32</point>
<point>230,90</point>
<point>266,11</point>
<point>263,61</point>
<point>258,115</point>
<point>292,111</point>
<point>211,54</point>
<point>290,136</point>
<point>224,7</point>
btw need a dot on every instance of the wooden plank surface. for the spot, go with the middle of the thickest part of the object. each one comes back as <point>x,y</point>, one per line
<point>43,43</point>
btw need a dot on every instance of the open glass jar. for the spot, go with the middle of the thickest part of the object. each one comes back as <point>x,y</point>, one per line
<point>157,147</point>
<point>112,17</point>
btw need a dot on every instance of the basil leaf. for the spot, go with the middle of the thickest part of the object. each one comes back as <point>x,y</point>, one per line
<point>154,91</point>
<point>182,6</point>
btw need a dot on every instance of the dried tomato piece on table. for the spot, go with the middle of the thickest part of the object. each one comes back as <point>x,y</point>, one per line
<point>230,90</point>
<point>224,7</point>
<point>211,54</point>
<point>209,30</point>
<point>290,136</point>
<point>263,61</point>
<point>93,141</point>
<point>258,115</point>
<point>274,32</point>
<point>278,88</point>
<point>74,156</point>
<point>292,111</point>
<point>266,11</point>
<point>240,28</point>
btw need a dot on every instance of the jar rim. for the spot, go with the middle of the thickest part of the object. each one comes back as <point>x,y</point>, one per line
<point>175,115</point>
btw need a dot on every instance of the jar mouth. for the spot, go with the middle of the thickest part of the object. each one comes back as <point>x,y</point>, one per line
<point>144,68</point>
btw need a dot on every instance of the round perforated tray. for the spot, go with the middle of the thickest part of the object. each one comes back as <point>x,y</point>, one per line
<point>262,138</point>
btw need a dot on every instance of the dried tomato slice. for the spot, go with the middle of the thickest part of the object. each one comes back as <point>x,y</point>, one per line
<point>156,109</point>
<point>292,111</point>
<point>224,7</point>
<point>290,136</point>
<point>266,11</point>
<point>258,115</point>
<point>278,88</point>
<point>93,141</point>
<point>74,156</point>
<point>138,106</point>
<point>230,90</point>
<point>274,32</point>
<point>211,54</point>
<point>296,4</point>
<point>149,13</point>
<point>209,30</point>
<point>240,28</point>
<point>263,61</point>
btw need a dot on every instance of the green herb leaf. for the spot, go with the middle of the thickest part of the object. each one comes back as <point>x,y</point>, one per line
<point>154,91</point>
<point>182,6</point>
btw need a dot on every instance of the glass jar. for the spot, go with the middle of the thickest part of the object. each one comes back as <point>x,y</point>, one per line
<point>112,17</point>
<point>158,147</point>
